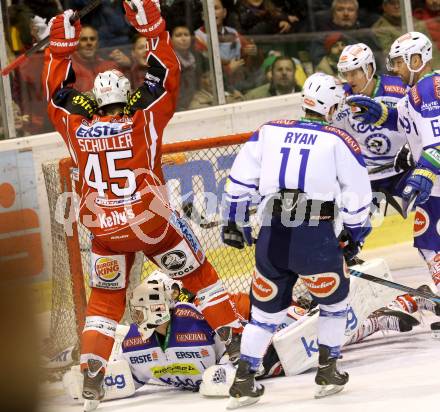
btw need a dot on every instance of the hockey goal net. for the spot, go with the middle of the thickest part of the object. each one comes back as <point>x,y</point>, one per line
<point>195,172</point>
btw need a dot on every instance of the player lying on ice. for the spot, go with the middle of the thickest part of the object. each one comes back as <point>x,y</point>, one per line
<point>115,142</point>
<point>172,344</point>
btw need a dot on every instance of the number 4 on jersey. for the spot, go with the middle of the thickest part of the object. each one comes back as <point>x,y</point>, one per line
<point>93,166</point>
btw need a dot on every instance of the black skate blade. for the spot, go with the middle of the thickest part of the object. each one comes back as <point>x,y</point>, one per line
<point>235,403</point>
<point>326,390</point>
<point>90,405</point>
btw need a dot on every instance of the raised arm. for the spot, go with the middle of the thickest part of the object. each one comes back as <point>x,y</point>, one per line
<point>58,74</point>
<point>163,73</point>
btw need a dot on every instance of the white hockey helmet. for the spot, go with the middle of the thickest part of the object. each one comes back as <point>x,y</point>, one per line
<point>356,56</point>
<point>152,300</point>
<point>110,87</point>
<point>406,46</point>
<point>321,92</point>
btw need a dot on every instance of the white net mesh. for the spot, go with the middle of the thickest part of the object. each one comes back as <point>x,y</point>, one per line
<point>195,181</point>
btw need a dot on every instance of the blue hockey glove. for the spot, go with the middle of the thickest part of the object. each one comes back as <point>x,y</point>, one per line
<point>417,189</point>
<point>404,160</point>
<point>371,111</point>
<point>351,240</point>
<point>236,236</point>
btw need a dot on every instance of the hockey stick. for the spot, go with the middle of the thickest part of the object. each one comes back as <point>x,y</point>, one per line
<point>395,285</point>
<point>42,43</point>
<point>381,168</point>
<point>200,219</point>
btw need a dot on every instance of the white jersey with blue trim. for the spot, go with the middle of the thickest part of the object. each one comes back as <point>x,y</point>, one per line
<point>188,349</point>
<point>379,145</point>
<point>419,118</point>
<point>323,161</point>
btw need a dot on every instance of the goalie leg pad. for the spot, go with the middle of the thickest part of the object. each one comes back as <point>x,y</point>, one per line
<point>118,381</point>
<point>297,345</point>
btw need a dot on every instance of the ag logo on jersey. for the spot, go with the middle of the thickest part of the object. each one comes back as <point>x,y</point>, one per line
<point>174,260</point>
<point>378,143</point>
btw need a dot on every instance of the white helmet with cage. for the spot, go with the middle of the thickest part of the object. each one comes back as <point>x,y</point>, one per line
<point>110,87</point>
<point>408,45</point>
<point>357,56</point>
<point>321,92</point>
<point>152,300</point>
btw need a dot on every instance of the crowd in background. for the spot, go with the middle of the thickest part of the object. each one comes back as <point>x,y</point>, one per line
<point>267,47</point>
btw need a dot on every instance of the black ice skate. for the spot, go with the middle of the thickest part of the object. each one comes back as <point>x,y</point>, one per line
<point>93,386</point>
<point>390,319</point>
<point>328,378</point>
<point>232,342</point>
<point>244,390</point>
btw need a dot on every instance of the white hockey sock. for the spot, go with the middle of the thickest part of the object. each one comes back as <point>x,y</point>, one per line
<point>331,324</point>
<point>370,326</point>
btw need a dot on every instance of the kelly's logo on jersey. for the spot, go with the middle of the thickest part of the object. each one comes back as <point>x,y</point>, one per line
<point>115,218</point>
<point>107,269</point>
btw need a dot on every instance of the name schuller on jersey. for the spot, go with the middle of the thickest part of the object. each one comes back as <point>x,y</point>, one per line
<point>102,136</point>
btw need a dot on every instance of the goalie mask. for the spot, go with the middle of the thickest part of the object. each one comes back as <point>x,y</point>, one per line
<point>320,93</point>
<point>111,87</point>
<point>151,302</point>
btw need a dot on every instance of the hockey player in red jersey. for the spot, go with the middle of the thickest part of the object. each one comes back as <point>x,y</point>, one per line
<point>115,141</point>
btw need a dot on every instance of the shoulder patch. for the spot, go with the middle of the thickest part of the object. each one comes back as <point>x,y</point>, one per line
<point>144,97</point>
<point>282,122</point>
<point>183,310</point>
<point>75,102</point>
<point>349,141</point>
<point>415,96</point>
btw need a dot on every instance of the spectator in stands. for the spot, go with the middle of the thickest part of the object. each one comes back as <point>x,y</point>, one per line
<point>19,28</point>
<point>138,67</point>
<point>389,26</point>
<point>282,80</point>
<point>266,68</point>
<point>44,8</point>
<point>86,61</point>
<point>239,55</point>
<point>334,43</point>
<point>190,11</point>
<point>27,90</point>
<point>430,15</point>
<point>261,17</point>
<point>108,19</point>
<point>204,96</point>
<point>344,17</point>
<point>191,64</point>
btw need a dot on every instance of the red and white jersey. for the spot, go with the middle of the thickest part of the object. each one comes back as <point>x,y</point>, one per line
<point>118,157</point>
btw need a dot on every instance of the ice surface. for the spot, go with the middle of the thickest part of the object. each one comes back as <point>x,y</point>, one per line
<point>393,372</point>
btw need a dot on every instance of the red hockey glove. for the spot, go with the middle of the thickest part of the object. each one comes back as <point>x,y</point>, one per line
<point>63,35</point>
<point>144,16</point>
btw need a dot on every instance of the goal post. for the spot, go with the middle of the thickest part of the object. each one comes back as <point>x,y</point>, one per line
<point>191,169</point>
